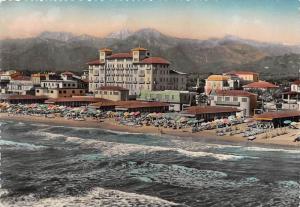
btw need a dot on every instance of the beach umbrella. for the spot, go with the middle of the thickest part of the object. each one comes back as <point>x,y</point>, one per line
<point>287,122</point>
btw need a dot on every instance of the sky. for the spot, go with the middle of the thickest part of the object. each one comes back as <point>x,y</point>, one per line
<point>262,20</point>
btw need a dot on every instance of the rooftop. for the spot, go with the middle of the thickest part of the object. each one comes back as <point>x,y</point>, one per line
<point>241,73</point>
<point>233,93</point>
<point>112,88</point>
<point>260,85</point>
<point>120,55</point>
<point>105,50</point>
<point>95,62</point>
<point>22,78</point>
<point>276,115</point>
<point>139,104</point>
<point>77,99</point>
<point>25,97</point>
<point>210,110</point>
<point>217,78</point>
<point>297,82</point>
<point>139,49</point>
<point>155,60</point>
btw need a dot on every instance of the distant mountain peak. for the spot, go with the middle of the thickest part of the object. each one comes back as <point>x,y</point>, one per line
<point>121,34</point>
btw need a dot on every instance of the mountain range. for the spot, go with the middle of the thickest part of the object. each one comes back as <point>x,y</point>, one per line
<point>60,51</point>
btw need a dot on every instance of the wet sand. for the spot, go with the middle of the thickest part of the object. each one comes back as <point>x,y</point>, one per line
<point>209,135</point>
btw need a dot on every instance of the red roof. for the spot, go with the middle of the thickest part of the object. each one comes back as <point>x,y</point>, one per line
<point>297,82</point>
<point>234,93</point>
<point>210,110</point>
<point>112,88</point>
<point>140,104</point>
<point>277,115</point>
<point>95,62</point>
<point>260,84</point>
<point>120,55</point>
<point>242,73</point>
<point>76,99</point>
<point>155,60</point>
<point>25,97</point>
<point>25,78</point>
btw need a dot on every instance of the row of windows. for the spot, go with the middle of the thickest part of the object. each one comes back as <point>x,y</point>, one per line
<point>228,98</point>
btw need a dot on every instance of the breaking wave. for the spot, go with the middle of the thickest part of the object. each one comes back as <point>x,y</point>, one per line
<point>121,149</point>
<point>20,145</point>
<point>96,197</point>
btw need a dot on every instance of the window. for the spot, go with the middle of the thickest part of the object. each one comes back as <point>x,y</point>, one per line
<point>219,98</point>
<point>73,91</point>
<point>37,91</point>
<point>80,91</point>
<point>59,91</point>
<point>73,84</point>
<point>65,85</point>
<point>244,99</point>
<point>116,93</point>
<point>227,98</point>
<point>51,91</point>
<point>105,92</point>
<point>235,98</point>
<point>64,91</point>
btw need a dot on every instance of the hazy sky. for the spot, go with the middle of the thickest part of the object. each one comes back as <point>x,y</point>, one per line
<point>265,20</point>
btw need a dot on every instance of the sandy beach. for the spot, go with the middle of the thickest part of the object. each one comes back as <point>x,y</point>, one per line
<point>209,135</point>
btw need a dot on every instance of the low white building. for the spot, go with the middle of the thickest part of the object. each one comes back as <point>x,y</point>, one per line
<point>21,85</point>
<point>242,100</point>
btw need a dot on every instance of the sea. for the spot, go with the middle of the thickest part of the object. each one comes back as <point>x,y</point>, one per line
<point>58,166</point>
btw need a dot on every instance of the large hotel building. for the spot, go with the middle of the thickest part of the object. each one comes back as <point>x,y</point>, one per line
<point>135,71</point>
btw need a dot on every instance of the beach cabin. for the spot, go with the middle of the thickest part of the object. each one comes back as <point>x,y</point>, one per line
<point>279,118</point>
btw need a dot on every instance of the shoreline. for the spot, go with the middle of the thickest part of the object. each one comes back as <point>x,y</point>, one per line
<point>283,141</point>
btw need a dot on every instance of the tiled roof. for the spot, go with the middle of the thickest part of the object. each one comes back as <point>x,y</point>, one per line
<point>297,82</point>
<point>139,49</point>
<point>155,60</point>
<point>120,55</point>
<point>277,115</point>
<point>210,110</point>
<point>241,73</point>
<point>25,97</point>
<point>103,104</point>
<point>105,50</point>
<point>112,88</point>
<point>217,78</point>
<point>95,62</point>
<point>25,78</point>
<point>234,93</point>
<point>139,104</point>
<point>76,99</point>
<point>260,84</point>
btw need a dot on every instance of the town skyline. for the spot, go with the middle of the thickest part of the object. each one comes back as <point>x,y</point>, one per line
<point>265,21</point>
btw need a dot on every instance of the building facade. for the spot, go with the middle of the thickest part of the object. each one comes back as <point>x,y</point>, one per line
<point>21,85</point>
<point>59,88</point>
<point>113,93</point>
<point>135,71</point>
<point>246,102</point>
<point>245,76</point>
<point>177,100</point>
<point>221,82</point>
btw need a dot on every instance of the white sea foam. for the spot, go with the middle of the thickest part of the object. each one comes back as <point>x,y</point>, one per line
<point>20,145</point>
<point>263,149</point>
<point>97,197</point>
<point>123,149</point>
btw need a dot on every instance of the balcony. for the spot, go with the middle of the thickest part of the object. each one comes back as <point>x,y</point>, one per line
<point>228,103</point>
<point>142,74</point>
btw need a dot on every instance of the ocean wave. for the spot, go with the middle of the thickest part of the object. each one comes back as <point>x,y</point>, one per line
<point>181,176</point>
<point>263,149</point>
<point>122,149</point>
<point>121,132</point>
<point>21,145</point>
<point>96,197</point>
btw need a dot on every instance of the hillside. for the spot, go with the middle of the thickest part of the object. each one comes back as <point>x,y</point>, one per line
<point>65,51</point>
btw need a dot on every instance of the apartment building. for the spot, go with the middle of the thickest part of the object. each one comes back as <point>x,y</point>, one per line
<point>221,82</point>
<point>21,85</point>
<point>245,76</point>
<point>135,70</point>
